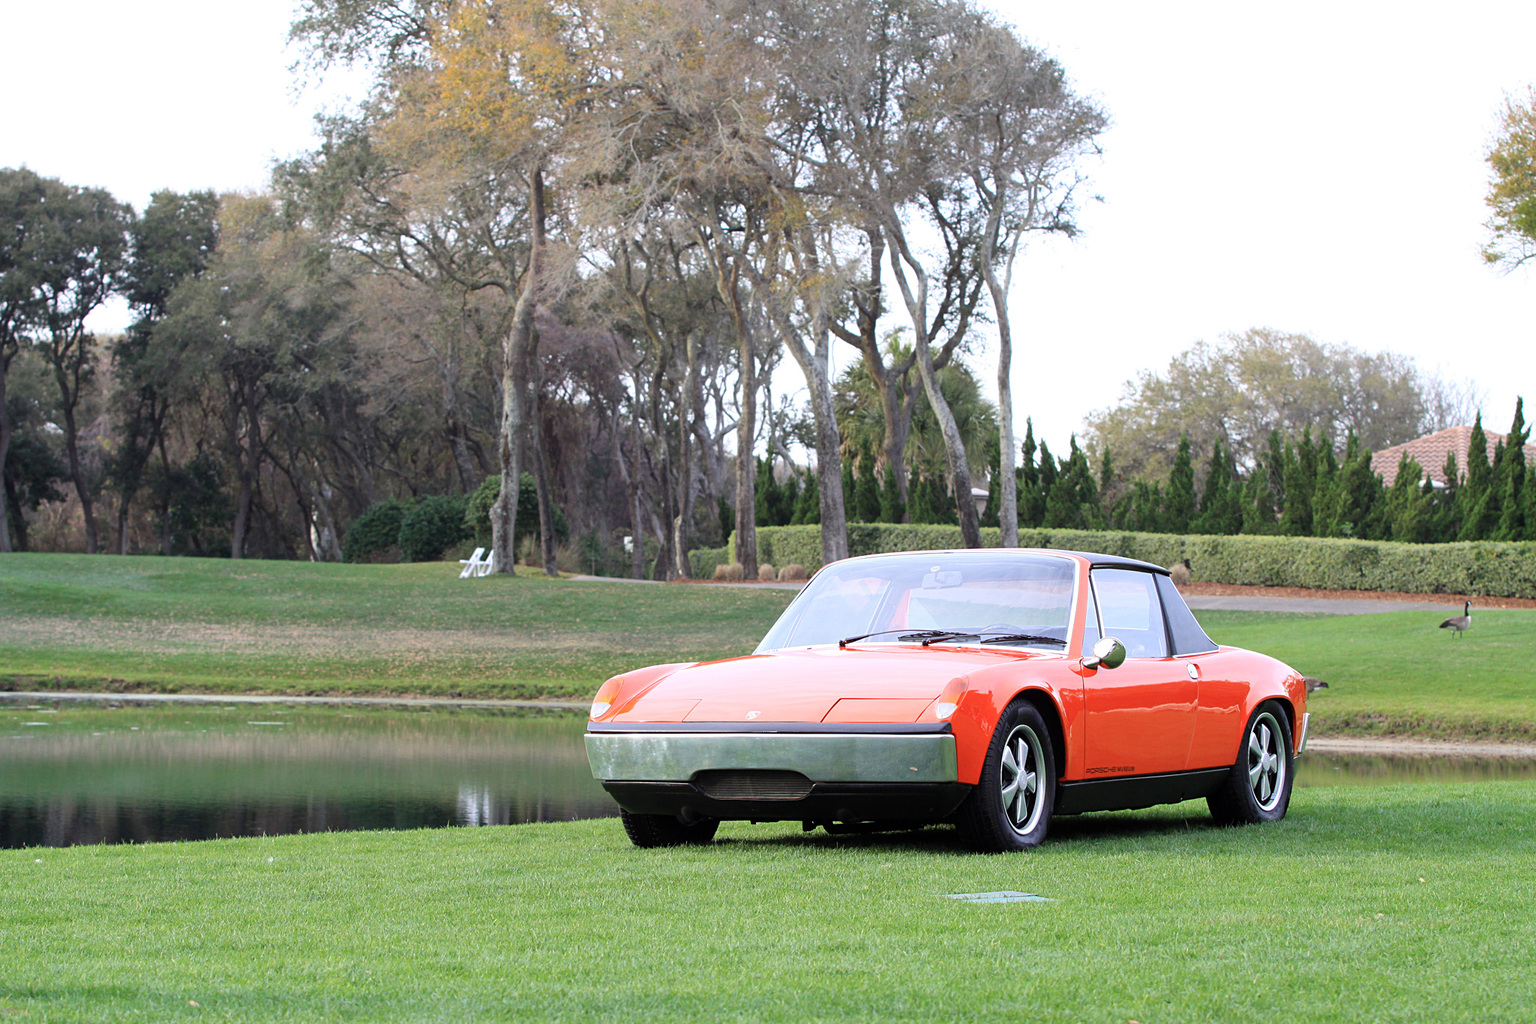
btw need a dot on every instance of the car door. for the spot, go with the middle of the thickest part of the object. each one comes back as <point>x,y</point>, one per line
<point>1140,717</point>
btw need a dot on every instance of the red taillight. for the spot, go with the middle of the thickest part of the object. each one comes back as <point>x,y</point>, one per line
<point>604,699</point>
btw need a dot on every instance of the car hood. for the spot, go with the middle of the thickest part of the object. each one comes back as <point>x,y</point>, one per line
<point>888,684</point>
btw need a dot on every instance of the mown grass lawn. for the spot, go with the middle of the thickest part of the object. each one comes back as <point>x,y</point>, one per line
<point>1404,903</point>
<point>184,624</point>
<point>1399,673</point>
<point>107,623</point>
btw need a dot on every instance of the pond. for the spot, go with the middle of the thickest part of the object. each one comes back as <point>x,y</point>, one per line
<point>75,771</point>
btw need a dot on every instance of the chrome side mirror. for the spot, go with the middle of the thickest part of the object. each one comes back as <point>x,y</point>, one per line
<point>1107,653</point>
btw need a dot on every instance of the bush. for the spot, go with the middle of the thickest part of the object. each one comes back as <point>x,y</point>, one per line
<point>477,511</point>
<point>702,562</point>
<point>767,572</point>
<point>432,526</point>
<point>1481,568</point>
<point>732,572</point>
<point>374,532</point>
<point>792,571</point>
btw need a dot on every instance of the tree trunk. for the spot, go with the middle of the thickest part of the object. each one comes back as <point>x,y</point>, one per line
<point>77,477</point>
<point>514,375</point>
<point>5,447</point>
<point>541,487</point>
<point>1007,485</point>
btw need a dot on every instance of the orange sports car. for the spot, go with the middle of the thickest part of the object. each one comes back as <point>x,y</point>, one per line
<point>989,689</point>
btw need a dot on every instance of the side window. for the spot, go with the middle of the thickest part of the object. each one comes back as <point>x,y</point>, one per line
<point>1188,637</point>
<point>1130,610</point>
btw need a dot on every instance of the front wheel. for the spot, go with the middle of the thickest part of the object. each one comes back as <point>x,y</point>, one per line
<point>1011,805</point>
<point>649,831</point>
<point>1258,788</point>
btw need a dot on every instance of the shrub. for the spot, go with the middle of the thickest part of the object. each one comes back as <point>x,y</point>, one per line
<point>432,526</point>
<point>374,532</point>
<point>732,571</point>
<point>1485,568</point>
<point>477,511</point>
<point>767,572</point>
<point>792,571</point>
<point>702,562</point>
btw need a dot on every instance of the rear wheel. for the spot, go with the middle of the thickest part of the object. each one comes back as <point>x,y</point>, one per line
<point>1011,805</point>
<point>1258,788</point>
<point>648,831</point>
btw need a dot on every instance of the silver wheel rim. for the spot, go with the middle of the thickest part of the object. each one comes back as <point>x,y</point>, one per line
<point>1266,761</point>
<point>1020,778</point>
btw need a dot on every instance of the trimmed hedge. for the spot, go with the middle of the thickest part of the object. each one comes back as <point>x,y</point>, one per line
<point>1480,568</point>
<point>702,561</point>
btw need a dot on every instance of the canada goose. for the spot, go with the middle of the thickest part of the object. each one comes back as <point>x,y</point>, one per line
<point>1460,623</point>
<point>1314,684</point>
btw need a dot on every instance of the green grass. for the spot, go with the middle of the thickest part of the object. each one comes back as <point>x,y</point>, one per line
<point>98,622</point>
<point>104,623</point>
<point>1402,903</point>
<point>1398,673</point>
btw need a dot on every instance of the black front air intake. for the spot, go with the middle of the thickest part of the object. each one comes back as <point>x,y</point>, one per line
<point>752,784</point>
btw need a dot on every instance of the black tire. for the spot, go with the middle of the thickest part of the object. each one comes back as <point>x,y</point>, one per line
<point>649,831</point>
<point>1258,788</point>
<point>1010,807</point>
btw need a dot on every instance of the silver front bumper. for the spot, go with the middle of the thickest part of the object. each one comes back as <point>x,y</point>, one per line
<point>820,757</point>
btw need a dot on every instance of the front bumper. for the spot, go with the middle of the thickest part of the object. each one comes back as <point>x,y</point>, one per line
<point>779,771</point>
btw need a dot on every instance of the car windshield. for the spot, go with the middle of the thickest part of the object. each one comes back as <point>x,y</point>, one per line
<point>978,592</point>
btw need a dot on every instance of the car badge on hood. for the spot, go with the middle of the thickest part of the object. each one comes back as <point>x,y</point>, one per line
<point>752,714</point>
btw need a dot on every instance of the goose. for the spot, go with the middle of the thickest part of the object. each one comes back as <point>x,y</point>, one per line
<point>1460,623</point>
<point>1314,684</point>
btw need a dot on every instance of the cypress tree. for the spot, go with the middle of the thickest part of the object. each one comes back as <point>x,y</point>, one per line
<point>808,504</point>
<point>1221,510</point>
<point>789,501</point>
<point>1030,501</point>
<point>1407,504</point>
<point>1179,501</point>
<point>1512,473</point>
<point>892,508</point>
<point>989,516</point>
<point>866,491</point>
<point>1300,475</point>
<point>767,498</point>
<point>851,509</point>
<point>917,499</point>
<point>1472,508</point>
<point>1444,518</point>
<point>1045,481</point>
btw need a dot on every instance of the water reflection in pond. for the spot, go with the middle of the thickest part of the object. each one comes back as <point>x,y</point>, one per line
<point>73,772</point>
<point>1355,769</point>
<point>76,772</point>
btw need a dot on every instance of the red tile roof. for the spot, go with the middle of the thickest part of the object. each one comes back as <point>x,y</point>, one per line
<point>1430,450</point>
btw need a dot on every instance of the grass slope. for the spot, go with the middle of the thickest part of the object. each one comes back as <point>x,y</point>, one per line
<point>1398,903</point>
<point>98,622</point>
<point>1397,672</point>
<point>184,624</point>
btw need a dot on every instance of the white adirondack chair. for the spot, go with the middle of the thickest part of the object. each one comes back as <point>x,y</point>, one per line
<point>475,565</point>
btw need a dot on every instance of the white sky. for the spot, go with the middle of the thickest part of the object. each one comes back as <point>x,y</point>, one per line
<point>1311,167</point>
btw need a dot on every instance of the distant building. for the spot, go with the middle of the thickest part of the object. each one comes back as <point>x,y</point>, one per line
<point>1430,451</point>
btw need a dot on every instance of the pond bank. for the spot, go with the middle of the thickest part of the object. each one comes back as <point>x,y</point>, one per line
<point>1319,744</point>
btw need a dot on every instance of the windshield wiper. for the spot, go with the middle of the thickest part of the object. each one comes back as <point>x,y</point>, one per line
<point>1009,638</point>
<point>927,636</point>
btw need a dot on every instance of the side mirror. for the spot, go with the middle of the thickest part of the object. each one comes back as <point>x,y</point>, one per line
<point>1107,653</point>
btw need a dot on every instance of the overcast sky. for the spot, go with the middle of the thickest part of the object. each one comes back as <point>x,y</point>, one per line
<point>1315,168</point>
